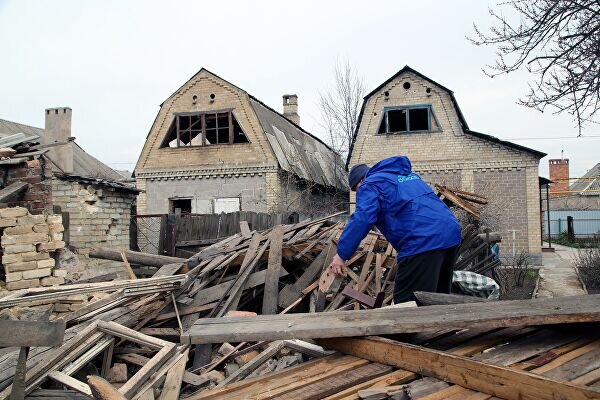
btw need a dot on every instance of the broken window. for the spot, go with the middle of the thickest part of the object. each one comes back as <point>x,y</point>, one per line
<point>180,206</point>
<point>204,129</point>
<point>408,119</point>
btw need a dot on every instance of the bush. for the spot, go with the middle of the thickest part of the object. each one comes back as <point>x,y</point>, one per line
<point>587,262</point>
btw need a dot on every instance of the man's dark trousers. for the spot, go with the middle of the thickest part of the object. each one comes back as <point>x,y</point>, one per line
<point>428,272</point>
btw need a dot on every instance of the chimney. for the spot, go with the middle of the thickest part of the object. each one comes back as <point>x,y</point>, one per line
<point>58,130</point>
<point>559,173</point>
<point>290,108</point>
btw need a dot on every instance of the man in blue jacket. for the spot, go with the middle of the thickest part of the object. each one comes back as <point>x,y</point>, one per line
<point>419,226</point>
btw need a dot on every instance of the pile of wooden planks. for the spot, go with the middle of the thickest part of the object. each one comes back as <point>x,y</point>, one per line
<point>259,315</point>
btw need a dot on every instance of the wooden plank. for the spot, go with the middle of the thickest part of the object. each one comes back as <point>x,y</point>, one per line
<point>235,290</point>
<point>12,190</point>
<point>70,382</point>
<point>392,378</point>
<point>271,292</point>
<point>139,360</point>
<point>172,384</point>
<point>433,299</point>
<point>256,362</point>
<point>279,381</point>
<point>245,230</point>
<point>388,320</point>
<point>140,377</point>
<point>499,381</point>
<point>135,257</point>
<point>290,293</point>
<point>31,333</point>
<point>332,384</point>
<point>185,311</point>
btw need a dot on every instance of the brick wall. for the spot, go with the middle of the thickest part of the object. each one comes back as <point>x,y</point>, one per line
<point>28,244</point>
<point>37,199</point>
<point>450,156</point>
<point>98,216</point>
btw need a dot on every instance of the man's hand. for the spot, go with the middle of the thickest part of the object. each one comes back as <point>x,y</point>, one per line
<point>338,266</point>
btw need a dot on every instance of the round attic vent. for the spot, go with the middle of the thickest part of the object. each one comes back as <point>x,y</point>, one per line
<point>406,85</point>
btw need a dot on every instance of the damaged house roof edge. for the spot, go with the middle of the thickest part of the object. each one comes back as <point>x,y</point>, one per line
<point>461,117</point>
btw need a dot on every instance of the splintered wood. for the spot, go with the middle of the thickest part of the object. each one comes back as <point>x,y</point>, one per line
<point>193,330</point>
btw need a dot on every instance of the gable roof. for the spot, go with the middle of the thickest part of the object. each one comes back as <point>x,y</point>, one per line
<point>84,164</point>
<point>297,151</point>
<point>461,118</point>
<point>589,184</point>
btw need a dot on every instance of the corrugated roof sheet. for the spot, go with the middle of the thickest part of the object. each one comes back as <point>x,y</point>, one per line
<point>84,164</point>
<point>589,182</point>
<point>298,151</point>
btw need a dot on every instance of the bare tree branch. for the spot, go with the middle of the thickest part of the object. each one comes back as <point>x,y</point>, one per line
<point>340,108</point>
<point>559,42</point>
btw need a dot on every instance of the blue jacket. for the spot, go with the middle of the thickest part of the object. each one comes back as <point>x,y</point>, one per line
<point>404,208</point>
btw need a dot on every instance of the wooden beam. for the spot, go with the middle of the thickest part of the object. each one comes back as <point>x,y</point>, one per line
<point>102,390</point>
<point>434,299</point>
<point>134,257</point>
<point>388,320</point>
<point>271,291</point>
<point>12,190</point>
<point>70,382</point>
<point>173,380</point>
<point>32,333</point>
<point>503,382</point>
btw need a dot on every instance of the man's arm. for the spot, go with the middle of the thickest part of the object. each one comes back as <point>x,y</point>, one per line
<point>365,216</point>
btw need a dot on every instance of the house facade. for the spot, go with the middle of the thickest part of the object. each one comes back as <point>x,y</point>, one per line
<point>215,148</point>
<point>412,115</point>
<point>95,201</point>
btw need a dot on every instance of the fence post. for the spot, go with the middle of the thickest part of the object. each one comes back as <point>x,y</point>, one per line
<point>570,229</point>
<point>171,235</point>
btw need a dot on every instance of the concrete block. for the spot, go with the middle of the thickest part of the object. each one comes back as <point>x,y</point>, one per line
<point>4,222</point>
<point>35,256</point>
<point>52,281</point>
<point>21,266</point>
<point>51,246</point>
<point>28,238</point>
<point>37,273</point>
<point>13,212</point>
<point>31,219</point>
<point>14,276</point>
<point>11,258</point>
<point>56,227</point>
<point>59,273</point>
<point>56,236</point>
<point>54,219</point>
<point>49,263</point>
<point>23,284</point>
<point>40,228</point>
<point>19,248</point>
<point>18,230</point>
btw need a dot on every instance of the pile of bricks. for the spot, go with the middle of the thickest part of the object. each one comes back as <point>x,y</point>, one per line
<point>27,244</point>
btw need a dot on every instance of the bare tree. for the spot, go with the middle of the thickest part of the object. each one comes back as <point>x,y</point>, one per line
<point>340,108</point>
<point>559,42</point>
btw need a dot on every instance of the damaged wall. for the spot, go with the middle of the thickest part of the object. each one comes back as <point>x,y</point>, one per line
<point>98,216</point>
<point>38,197</point>
<point>28,245</point>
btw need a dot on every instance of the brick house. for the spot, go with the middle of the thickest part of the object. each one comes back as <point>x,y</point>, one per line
<point>410,114</point>
<point>215,148</point>
<point>94,199</point>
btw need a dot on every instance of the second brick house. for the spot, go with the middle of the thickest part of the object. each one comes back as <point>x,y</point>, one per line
<point>410,114</point>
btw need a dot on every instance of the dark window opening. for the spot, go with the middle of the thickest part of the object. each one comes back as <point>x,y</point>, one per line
<point>418,119</point>
<point>409,119</point>
<point>204,129</point>
<point>181,206</point>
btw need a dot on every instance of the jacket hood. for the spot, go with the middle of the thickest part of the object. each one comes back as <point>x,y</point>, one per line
<point>398,165</point>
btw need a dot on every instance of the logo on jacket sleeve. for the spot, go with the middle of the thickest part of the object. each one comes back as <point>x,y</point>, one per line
<point>406,178</point>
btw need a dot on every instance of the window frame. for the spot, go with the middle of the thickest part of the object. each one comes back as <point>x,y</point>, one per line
<point>430,115</point>
<point>202,115</point>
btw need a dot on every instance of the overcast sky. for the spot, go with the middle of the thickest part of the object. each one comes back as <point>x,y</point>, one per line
<point>114,62</point>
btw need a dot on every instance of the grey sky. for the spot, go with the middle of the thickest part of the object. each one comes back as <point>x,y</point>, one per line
<point>114,62</point>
